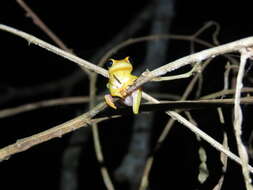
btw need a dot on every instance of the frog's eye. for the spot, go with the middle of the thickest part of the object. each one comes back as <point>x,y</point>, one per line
<point>109,63</point>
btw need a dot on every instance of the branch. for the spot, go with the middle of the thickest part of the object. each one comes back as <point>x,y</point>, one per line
<point>132,165</point>
<point>57,131</point>
<point>225,93</point>
<point>40,104</point>
<point>33,40</point>
<point>37,21</point>
<point>167,128</point>
<point>193,58</point>
<point>147,76</point>
<point>245,54</point>
<point>204,136</point>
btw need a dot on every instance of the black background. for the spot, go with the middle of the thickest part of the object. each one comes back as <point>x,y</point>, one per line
<point>85,26</point>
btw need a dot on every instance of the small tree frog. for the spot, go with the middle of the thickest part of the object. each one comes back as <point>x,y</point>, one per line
<point>120,78</point>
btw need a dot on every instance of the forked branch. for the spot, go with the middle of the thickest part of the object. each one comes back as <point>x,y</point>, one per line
<point>147,76</point>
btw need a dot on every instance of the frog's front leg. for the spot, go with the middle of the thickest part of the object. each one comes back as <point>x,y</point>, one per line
<point>109,101</point>
<point>123,92</point>
<point>123,89</point>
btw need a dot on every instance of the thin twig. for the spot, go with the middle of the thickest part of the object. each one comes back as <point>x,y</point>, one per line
<point>166,130</point>
<point>41,104</point>
<point>225,93</point>
<point>223,157</point>
<point>125,33</point>
<point>132,41</point>
<point>238,117</point>
<point>147,76</point>
<point>224,160</point>
<point>203,29</point>
<point>95,134</point>
<point>7,112</point>
<point>57,131</point>
<point>37,21</point>
<point>204,136</point>
<point>230,47</point>
<point>131,169</point>
<point>100,157</point>
<point>169,125</point>
<point>33,40</point>
<point>194,58</point>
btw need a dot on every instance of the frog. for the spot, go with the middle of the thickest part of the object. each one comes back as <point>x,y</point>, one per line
<point>120,79</point>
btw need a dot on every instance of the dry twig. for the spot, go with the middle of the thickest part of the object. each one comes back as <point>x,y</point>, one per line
<point>197,57</point>
<point>238,117</point>
<point>57,131</point>
<point>37,21</point>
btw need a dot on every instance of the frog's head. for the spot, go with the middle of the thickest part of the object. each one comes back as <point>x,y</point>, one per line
<point>119,65</point>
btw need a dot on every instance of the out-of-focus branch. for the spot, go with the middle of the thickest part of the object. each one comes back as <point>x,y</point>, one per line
<point>13,93</point>
<point>44,103</point>
<point>226,92</point>
<point>125,33</point>
<point>166,130</point>
<point>223,157</point>
<point>131,168</point>
<point>204,136</point>
<point>67,83</point>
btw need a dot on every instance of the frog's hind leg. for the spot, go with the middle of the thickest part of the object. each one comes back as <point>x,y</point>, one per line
<point>109,101</point>
<point>136,100</point>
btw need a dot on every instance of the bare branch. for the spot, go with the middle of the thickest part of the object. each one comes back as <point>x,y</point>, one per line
<point>197,57</point>
<point>33,40</point>
<point>57,131</point>
<point>44,103</point>
<point>226,92</point>
<point>37,21</point>
<point>194,58</point>
<point>238,117</point>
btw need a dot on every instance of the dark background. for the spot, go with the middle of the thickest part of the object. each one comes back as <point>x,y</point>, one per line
<point>85,26</point>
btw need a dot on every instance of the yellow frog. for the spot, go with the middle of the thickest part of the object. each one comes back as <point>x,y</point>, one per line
<point>120,78</point>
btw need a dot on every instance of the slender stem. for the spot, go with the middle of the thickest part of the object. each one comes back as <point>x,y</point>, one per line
<point>33,40</point>
<point>238,117</point>
<point>42,25</point>
<point>57,131</point>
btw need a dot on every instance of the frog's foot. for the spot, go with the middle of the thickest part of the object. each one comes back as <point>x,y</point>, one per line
<point>123,92</point>
<point>109,101</point>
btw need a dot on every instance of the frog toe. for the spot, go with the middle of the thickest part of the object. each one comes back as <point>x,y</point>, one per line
<point>109,101</point>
